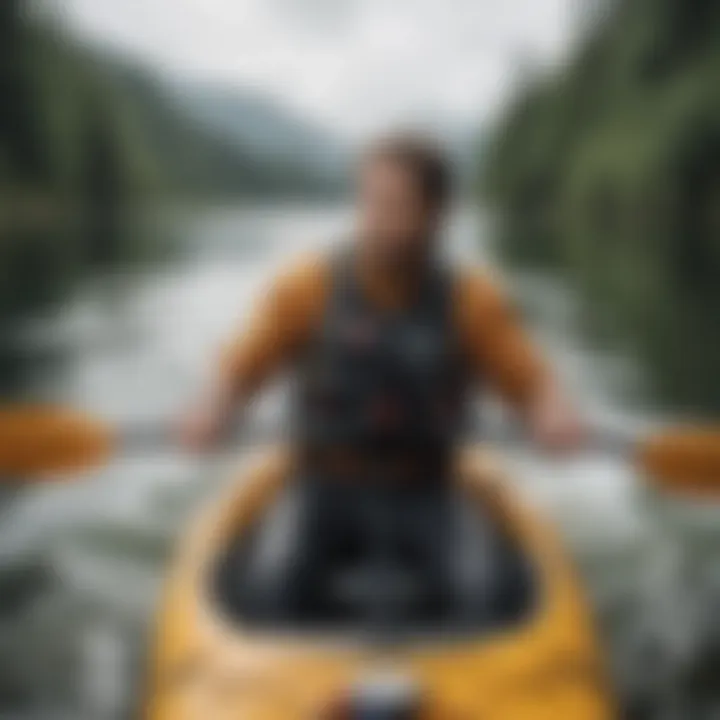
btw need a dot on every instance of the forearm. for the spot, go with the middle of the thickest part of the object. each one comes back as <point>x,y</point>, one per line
<point>505,357</point>
<point>221,401</point>
<point>554,419</point>
<point>279,326</point>
<point>225,398</point>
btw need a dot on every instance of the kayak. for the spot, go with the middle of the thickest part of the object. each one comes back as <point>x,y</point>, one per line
<point>209,662</point>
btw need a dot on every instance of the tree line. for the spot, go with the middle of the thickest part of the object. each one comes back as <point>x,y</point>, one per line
<point>90,143</point>
<point>608,171</point>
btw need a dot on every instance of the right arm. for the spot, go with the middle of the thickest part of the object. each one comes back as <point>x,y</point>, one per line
<point>279,326</point>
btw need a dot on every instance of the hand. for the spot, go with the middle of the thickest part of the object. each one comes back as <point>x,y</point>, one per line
<point>202,428</point>
<point>555,423</point>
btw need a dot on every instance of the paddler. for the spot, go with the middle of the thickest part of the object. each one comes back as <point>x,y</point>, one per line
<point>386,345</point>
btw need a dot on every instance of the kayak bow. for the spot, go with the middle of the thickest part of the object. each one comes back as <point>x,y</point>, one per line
<point>205,664</point>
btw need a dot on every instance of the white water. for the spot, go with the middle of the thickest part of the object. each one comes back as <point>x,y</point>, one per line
<point>85,559</point>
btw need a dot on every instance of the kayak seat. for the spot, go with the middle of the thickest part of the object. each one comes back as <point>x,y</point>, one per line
<point>492,584</point>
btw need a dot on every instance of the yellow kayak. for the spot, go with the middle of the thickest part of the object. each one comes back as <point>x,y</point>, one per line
<point>208,664</point>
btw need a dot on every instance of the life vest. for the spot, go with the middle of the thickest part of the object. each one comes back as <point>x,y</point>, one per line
<point>383,382</point>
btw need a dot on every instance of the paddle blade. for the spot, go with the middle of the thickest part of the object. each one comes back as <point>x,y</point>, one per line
<point>685,461</point>
<point>40,440</point>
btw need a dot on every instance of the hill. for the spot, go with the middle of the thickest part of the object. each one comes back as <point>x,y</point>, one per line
<point>219,140</point>
<point>608,173</point>
<point>89,141</point>
<point>267,132</point>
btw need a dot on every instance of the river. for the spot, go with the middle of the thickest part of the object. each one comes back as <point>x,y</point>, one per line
<point>81,562</point>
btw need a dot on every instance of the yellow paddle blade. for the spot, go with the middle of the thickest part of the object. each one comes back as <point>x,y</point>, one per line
<point>42,440</point>
<point>683,460</point>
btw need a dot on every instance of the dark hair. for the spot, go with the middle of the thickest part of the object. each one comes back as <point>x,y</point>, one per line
<point>423,157</point>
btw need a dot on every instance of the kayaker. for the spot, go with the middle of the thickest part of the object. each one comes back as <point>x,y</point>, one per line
<point>386,345</point>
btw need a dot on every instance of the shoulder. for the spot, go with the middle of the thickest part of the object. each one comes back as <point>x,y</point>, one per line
<point>299,289</point>
<point>304,270</point>
<point>304,275</point>
<point>478,294</point>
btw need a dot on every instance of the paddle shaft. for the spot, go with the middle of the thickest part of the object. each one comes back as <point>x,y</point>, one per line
<point>42,441</point>
<point>152,437</point>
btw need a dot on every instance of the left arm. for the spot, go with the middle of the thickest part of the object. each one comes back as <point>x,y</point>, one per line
<point>501,352</point>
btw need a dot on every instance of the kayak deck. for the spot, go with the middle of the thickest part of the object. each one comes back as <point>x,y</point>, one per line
<point>209,664</point>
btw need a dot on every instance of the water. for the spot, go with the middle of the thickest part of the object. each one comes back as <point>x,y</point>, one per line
<point>81,562</point>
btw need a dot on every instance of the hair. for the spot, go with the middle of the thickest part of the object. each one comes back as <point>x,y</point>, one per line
<point>422,156</point>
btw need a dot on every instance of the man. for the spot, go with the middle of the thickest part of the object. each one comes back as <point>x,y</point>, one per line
<point>386,344</point>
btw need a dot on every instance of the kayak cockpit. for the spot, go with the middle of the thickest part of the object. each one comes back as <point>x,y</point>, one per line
<point>218,654</point>
<point>359,590</point>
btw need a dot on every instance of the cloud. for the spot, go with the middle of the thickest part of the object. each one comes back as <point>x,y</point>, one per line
<point>357,64</point>
<point>318,18</point>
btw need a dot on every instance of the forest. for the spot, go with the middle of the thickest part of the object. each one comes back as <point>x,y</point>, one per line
<point>90,144</point>
<point>607,172</point>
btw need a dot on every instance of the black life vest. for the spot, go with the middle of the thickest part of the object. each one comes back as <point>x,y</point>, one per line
<point>383,382</point>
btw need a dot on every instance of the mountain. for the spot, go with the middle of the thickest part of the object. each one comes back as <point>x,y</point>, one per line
<point>266,131</point>
<point>219,140</point>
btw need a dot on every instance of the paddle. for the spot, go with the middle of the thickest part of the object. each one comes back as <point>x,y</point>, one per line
<point>40,441</point>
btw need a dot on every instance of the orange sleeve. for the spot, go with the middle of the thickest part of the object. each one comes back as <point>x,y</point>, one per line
<point>281,322</point>
<point>497,347</point>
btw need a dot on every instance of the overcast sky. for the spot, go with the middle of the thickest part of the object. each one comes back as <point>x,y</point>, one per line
<point>357,65</point>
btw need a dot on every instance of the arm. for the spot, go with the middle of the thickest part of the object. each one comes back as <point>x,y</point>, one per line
<point>501,353</point>
<point>279,325</point>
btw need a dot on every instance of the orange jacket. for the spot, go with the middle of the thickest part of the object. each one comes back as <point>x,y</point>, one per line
<point>291,310</point>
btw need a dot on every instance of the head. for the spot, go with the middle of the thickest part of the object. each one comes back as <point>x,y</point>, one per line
<point>403,192</point>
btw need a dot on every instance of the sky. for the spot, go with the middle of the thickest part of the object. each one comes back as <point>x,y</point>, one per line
<point>355,65</point>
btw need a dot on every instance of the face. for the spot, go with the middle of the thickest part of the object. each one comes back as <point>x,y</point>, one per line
<point>396,221</point>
